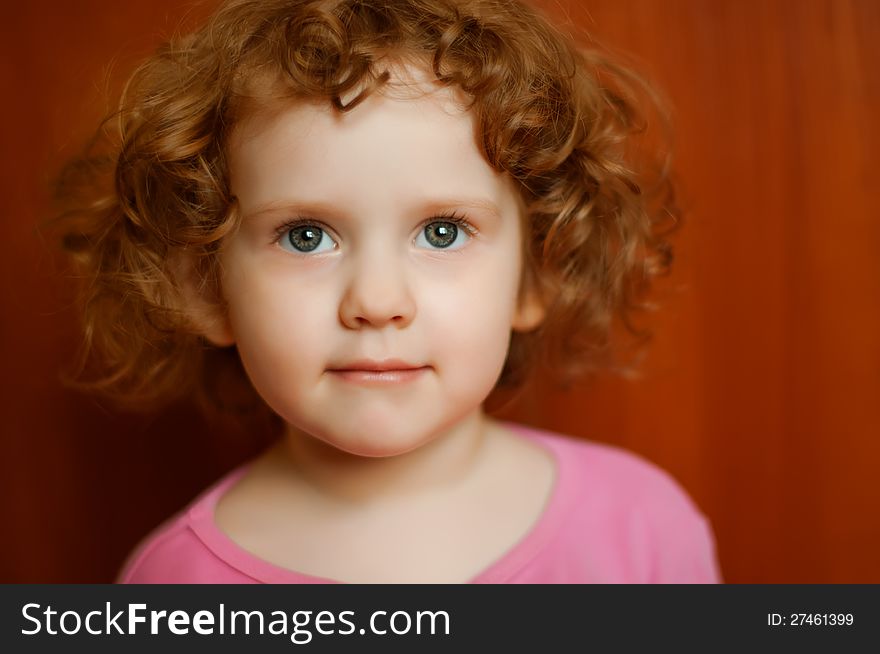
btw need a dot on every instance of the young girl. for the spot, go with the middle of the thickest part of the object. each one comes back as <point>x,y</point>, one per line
<point>373,215</point>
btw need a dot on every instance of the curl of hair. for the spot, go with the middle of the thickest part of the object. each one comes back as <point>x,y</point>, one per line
<point>562,120</point>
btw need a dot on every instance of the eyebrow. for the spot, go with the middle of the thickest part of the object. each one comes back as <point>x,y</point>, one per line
<point>320,208</point>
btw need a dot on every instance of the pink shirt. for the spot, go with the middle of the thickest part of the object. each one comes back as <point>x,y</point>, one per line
<point>612,517</point>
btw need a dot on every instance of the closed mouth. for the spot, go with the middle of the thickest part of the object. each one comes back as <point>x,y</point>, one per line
<point>379,377</point>
<point>387,365</point>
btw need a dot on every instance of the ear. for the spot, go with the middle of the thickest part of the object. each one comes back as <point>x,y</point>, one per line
<point>205,312</point>
<point>531,306</point>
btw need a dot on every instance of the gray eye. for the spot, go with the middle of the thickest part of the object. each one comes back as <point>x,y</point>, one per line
<point>307,239</point>
<point>440,234</point>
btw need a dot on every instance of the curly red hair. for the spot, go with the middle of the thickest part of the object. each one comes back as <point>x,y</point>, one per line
<point>558,118</point>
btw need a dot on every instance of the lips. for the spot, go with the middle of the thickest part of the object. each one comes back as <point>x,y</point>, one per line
<point>370,365</point>
<point>372,373</point>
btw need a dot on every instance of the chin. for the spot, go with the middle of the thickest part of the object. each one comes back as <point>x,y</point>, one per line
<point>377,438</point>
<point>376,450</point>
<point>370,443</point>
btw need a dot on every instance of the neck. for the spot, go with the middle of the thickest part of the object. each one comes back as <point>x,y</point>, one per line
<point>445,462</point>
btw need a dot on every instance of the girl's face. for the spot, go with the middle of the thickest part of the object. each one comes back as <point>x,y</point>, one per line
<point>377,237</point>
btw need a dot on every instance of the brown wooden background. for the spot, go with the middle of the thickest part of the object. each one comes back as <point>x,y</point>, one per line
<point>761,392</point>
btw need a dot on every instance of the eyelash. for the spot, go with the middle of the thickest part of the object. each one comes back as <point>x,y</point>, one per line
<point>452,217</point>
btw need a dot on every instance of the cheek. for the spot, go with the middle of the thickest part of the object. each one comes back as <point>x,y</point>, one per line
<point>276,322</point>
<point>470,322</point>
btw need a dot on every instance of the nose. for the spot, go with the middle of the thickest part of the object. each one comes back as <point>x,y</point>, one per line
<point>378,294</point>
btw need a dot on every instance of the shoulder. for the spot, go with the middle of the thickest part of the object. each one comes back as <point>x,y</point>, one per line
<point>644,512</point>
<point>613,474</point>
<point>181,549</point>
<point>625,478</point>
<point>157,557</point>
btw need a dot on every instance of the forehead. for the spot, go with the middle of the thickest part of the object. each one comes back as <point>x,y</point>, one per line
<point>411,135</point>
<point>262,96</point>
